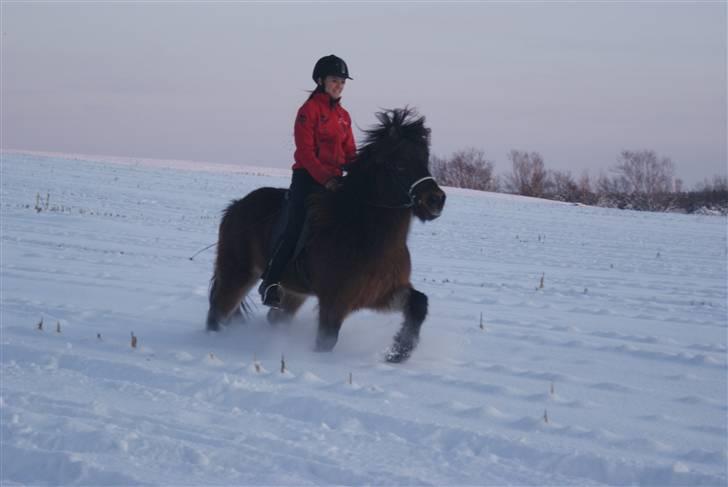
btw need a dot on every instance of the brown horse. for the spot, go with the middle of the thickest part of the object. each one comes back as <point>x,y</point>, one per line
<point>355,255</point>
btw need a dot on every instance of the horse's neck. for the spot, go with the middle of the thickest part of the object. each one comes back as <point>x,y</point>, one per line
<point>385,225</point>
<point>389,226</point>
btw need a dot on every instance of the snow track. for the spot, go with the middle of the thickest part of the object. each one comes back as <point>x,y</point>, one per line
<point>612,373</point>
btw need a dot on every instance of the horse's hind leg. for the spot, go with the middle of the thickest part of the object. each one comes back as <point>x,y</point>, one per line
<point>226,294</point>
<point>413,304</point>
<point>290,303</point>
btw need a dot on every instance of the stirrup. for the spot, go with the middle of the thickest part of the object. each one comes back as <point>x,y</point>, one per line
<point>271,295</point>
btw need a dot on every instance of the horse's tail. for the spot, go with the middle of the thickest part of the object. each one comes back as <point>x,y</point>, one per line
<point>243,239</point>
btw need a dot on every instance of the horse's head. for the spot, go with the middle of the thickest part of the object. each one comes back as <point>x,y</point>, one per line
<point>396,156</point>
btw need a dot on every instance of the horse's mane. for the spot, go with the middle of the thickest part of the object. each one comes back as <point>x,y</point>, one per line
<point>395,127</point>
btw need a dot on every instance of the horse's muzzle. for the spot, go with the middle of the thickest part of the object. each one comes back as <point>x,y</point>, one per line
<point>430,203</point>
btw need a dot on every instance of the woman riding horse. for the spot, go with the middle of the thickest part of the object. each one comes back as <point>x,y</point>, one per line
<point>324,143</point>
<point>355,254</point>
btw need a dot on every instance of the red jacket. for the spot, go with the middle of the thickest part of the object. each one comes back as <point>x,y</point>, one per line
<point>324,140</point>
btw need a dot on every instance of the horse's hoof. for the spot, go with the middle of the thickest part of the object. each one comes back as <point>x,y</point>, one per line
<point>396,355</point>
<point>325,344</point>
<point>213,325</point>
<point>400,350</point>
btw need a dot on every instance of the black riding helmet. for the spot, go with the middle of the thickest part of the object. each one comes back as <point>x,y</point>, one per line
<point>330,66</point>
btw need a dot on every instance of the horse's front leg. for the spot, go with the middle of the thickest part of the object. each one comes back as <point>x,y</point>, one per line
<point>330,320</point>
<point>413,305</point>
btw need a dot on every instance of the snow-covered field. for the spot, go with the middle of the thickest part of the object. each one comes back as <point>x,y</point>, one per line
<point>613,372</point>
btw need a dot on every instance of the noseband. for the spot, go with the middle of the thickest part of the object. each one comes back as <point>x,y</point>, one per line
<point>412,187</point>
<point>408,192</point>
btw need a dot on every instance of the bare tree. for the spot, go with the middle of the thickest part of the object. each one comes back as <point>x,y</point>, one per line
<point>528,176</point>
<point>642,172</point>
<point>641,181</point>
<point>467,168</point>
<point>708,196</point>
<point>562,186</point>
<point>718,184</point>
<point>586,195</point>
<point>609,193</point>
<point>646,179</point>
<point>679,185</point>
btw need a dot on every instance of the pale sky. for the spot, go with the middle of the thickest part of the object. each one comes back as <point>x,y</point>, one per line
<point>221,81</point>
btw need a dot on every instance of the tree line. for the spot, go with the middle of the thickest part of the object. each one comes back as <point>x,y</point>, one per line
<point>640,180</point>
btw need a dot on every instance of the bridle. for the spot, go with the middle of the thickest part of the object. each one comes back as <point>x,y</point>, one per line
<point>408,192</point>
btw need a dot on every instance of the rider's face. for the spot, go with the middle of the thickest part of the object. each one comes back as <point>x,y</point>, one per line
<point>334,86</point>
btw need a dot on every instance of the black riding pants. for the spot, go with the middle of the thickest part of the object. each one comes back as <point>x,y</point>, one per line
<point>302,185</point>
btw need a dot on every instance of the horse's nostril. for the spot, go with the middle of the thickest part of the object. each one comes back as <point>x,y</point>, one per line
<point>436,200</point>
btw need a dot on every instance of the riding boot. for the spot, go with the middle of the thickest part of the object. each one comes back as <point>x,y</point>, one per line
<point>302,185</point>
<point>270,289</point>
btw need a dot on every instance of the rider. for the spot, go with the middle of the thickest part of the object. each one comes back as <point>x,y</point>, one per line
<point>324,143</point>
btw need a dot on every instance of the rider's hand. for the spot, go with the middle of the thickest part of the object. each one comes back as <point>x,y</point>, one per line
<point>334,184</point>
